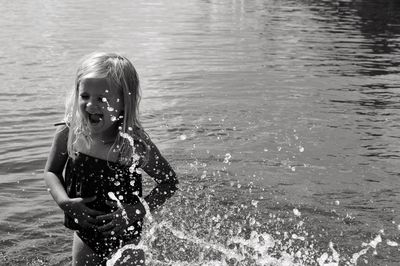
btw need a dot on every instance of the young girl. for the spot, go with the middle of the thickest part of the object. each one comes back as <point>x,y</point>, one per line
<point>99,149</point>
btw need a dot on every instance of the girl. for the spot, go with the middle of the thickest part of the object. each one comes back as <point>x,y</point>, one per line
<point>99,148</point>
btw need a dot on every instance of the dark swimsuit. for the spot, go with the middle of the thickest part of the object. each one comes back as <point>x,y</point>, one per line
<point>86,176</point>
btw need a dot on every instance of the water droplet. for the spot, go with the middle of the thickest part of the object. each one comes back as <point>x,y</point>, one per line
<point>182,137</point>
<point>203,175</point>
<point>228,156</point>
<point>254,203</point>
<point>117,183</point>
<point>296,212</point>
<point>301,149</point>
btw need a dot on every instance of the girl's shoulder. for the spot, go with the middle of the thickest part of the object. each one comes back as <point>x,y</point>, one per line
<point>62,127</point>
<point>62,130</point>
<point>61,134</point>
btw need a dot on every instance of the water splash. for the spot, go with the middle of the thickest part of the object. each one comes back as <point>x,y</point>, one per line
<point>228,156</point>
<point>213,240</point>
<point>259,247</point>
<point>135,157</point>
<point>118,254</point>
<point>296,212</point>
<point>372,244</point>
<point>133,168</point>
<point>112,196</point>
<point>327,260</point>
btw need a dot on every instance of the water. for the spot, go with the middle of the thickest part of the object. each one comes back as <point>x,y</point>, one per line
<point>280,117</point>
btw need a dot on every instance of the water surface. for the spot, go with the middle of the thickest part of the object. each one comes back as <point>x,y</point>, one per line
<point>280,117</point>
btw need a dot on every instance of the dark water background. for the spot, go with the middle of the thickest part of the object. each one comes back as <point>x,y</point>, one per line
<point>281,118</point>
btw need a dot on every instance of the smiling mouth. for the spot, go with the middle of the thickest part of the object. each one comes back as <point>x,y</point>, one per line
<point>95,118</point>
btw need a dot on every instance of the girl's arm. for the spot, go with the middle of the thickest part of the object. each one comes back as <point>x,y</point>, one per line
<point>163,174</point>
<point>55,166</point>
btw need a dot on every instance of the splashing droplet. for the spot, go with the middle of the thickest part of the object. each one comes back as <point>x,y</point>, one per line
<point>228,156</point>
<point>203,175</point>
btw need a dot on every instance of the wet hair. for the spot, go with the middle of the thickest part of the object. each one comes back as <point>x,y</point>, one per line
<point>120,74</point>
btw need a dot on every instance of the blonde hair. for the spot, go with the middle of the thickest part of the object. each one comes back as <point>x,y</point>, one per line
<point>119,73</point>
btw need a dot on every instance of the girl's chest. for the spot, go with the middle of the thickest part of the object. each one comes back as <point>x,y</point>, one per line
<point>101,176</point>
<point>98,150</point>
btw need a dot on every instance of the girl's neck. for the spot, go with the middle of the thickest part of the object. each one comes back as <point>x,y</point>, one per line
<point>98,148</point>
<point>103,139</point>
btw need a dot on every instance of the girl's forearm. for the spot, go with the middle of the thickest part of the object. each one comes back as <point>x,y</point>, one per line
<point>161,193</point>
<point>56,188</point>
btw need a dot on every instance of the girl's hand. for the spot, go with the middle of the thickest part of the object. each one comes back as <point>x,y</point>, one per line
<point>118,221</point>
<point>83,215</point>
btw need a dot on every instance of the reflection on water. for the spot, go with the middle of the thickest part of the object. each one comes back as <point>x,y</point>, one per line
<point>375,28</point>
<point>281,118</point>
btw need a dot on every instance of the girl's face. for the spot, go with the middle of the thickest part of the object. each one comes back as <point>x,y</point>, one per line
<point>100,106</point>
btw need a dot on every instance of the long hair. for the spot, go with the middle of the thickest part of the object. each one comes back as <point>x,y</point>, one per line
<point>119,73</point>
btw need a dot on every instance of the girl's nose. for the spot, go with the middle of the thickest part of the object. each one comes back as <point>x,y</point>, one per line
<point>91,106</point>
